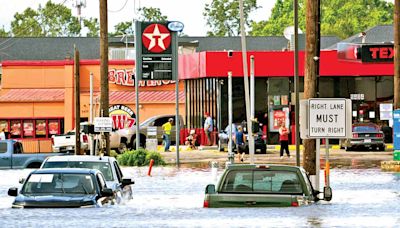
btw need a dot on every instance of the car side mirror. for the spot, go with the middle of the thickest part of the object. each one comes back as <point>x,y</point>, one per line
<point>13,191</point>
<point>21,180</point>
<point>127,181</point>
<point>210,189</point>
<point>107,192</point>
<point>327,193</point>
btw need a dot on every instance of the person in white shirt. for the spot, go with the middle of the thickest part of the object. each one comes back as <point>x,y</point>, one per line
<point>3,134</point>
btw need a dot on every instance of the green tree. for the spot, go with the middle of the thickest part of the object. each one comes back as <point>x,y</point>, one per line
<point>145,14</point>
<point>4,33</point>
<point>342,18</point>
<point>223,16</point>
<point>151,14</point>
<point>93,26</point>
<point>346,18</point>
<point>50,20</point>
<point>123,28</point>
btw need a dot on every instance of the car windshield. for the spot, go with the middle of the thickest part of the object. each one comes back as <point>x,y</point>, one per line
<point>103,167</point>
<point>59,183</point>
<point>365,128</point>
<point>262,181</point>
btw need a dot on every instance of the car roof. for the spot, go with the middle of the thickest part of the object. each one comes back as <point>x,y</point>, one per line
<point>65,170</point>
<point>262,166</point>
<point>86,158</point>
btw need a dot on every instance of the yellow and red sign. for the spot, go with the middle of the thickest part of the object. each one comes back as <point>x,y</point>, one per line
<point>122,116</point>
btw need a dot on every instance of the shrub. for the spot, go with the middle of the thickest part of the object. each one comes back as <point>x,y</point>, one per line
<point>140,157</point>
<point>113,153</point>
<point>158,160</point>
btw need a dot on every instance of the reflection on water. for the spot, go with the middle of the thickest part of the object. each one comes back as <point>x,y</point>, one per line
<point>173,197</point>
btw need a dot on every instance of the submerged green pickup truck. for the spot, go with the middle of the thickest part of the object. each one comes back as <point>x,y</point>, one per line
<point>263,186</point>
<point>12,156</point>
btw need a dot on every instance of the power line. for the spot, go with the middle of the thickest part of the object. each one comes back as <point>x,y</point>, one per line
<point>116,11</point>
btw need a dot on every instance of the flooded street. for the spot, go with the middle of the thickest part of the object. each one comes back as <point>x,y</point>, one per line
<point>173,197</point>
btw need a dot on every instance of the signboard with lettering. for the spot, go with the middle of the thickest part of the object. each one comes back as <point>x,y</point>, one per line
<point>366,52</point>
<point>122,116</point>
<point>156,52</point>
<point>327,118</point>
<point>103,124</point>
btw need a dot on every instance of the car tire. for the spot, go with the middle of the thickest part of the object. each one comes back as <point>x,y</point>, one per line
<point>381,148</point>
<point>122,148</point>
<point>263,150</point>
<point>348,148</point>
<point>142,143</point>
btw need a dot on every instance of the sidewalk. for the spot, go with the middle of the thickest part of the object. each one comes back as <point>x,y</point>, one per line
<point>337,158</point>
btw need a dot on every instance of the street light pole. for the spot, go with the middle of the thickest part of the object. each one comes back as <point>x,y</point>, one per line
<point>246,83</point>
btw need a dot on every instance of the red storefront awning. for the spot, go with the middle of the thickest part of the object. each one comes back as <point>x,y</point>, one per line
<point>32,95</point>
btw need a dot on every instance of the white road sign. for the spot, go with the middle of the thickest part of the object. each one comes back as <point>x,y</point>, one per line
<point>329,118</point>
<point>103,124</point>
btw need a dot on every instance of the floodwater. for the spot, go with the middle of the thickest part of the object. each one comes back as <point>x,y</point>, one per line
<point>173,197</point>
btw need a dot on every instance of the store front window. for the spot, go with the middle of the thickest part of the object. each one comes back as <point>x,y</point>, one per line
<point>32,128</point>
<point>15,129</point>
<point>28,129</point>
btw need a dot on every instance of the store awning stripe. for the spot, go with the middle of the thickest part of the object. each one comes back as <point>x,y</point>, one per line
<point>145,96</point>
<point>32,95</point>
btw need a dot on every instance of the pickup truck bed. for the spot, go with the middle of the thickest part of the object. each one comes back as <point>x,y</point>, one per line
<point>12,156</point>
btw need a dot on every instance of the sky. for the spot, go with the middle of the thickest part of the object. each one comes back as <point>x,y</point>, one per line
<point>189,12</point>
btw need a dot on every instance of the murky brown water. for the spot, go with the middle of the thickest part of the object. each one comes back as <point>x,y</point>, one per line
<point>173,197</point>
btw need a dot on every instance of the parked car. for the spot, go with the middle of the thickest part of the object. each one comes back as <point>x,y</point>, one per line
<point>107,165</point>
<point>12,156</point>
<point>66,142</point>
<point>263,186</point>
<point>123,139</point>
<point>223,139</point>
<point>365,136</point>
<point>158,121</point>
<point>62,188</point>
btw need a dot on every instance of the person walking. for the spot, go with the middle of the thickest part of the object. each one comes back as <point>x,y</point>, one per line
<point>3,134</point>
<point>284,139</point>
<point>208,128</point>
<point>240,140</point>
<point>167,134</point>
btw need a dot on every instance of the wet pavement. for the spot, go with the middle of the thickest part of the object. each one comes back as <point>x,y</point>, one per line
<point>337,158</point>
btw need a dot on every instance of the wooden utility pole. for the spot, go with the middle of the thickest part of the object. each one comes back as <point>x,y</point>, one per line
<point>77,102</point>
<point>311,61</point>
<point>104,99</point>
<point>396,80</point>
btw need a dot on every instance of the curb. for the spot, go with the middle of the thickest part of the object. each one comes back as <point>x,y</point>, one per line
<point>269,147</point>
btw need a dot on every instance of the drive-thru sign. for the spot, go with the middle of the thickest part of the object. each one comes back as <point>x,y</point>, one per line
<point>327,118</point>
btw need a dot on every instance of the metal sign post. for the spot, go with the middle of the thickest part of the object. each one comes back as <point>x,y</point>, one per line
<point>325,118</point>
<point>157,59</point>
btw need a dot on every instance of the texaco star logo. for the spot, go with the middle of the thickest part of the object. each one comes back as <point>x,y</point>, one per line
<point>156,38</point>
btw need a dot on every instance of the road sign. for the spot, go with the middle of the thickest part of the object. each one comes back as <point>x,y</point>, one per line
<point>103,124</point>
<point>326,118</point>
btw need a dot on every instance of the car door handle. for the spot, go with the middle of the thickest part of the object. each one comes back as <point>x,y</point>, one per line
<point>4,158</point>
<point>249,203</point>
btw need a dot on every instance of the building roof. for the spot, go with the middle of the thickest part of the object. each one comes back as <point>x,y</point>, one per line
<point>30,95</point>
<point>254,43</point>
<point>377,34</point>
<point>146,96</point>
<point>60,48</point>
<point>57,95</point>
